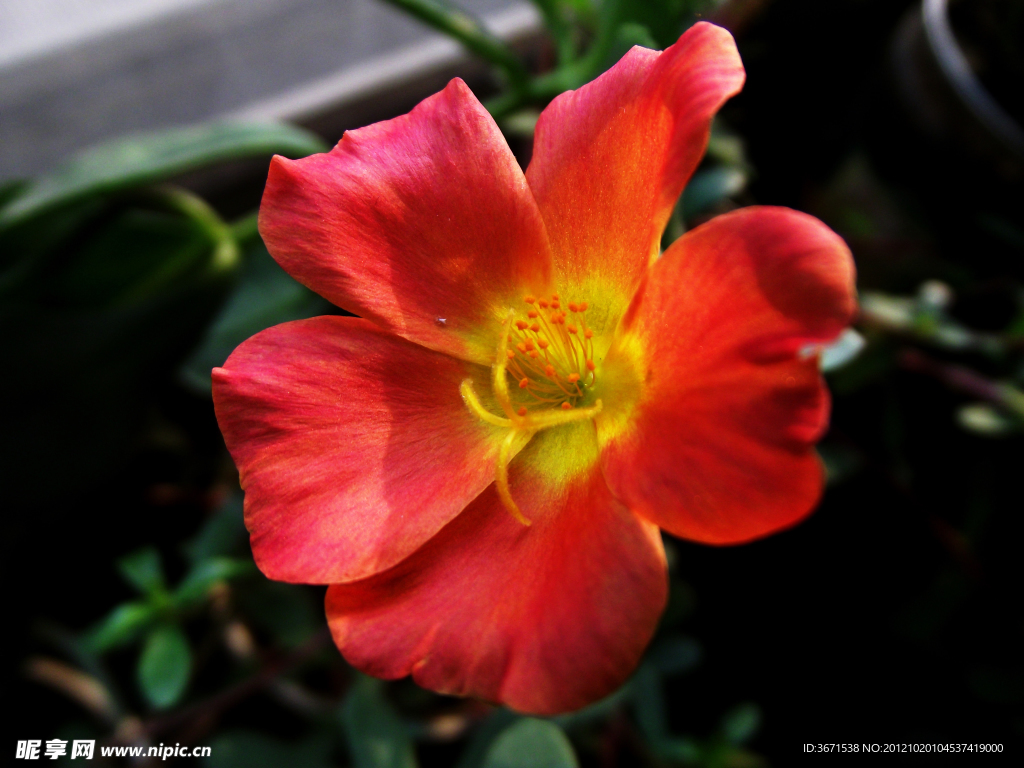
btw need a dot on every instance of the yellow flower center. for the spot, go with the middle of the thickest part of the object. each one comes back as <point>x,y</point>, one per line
<point>548,355</point>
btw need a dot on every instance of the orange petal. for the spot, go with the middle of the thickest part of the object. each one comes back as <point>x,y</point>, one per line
<point>545,618</point>
<point>423,224</point>
<point>611,158</point>
<point>718,445</point>
<point>354,447</point>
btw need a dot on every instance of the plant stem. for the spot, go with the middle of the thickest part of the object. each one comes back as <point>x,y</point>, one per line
<point>226,256</point>
<point>470,33</point>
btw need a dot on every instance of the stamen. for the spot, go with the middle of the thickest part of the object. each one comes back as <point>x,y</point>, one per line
<point>553,386</point>
<point>473,403</point>
<point>501,479</point>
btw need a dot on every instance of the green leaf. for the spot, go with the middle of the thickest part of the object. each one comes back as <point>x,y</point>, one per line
<point>164,666</point>
<point>149,158</point>
<point>675,654</point>
<point>649,703</point>
<point>221,535</point>
<point>289,612</point>
<point>531,743</point>
<point>843,350</point>
<point>205,574</point>
<point>476,750</point>
<point>709,187</point>
<point>143,570</point>
<point>741,723</point>
<point>377,737</point>
<point>121,626</point>
<point>248,749</point>
<point>265,295</point>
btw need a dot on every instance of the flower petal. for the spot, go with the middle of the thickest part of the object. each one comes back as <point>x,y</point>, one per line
<point>611,158</point>
<point>717,445</point>
<point>544,618</point>
<point>423,224</point>
<point>354,447</point>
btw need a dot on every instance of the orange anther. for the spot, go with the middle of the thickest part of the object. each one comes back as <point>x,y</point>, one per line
<point>522,325</point>
<point>589,334</point>
<point>522,410</point>
<point>542,343</point>
<point>549,371</point>
<point>529,345</point>
<point>571,328</point>
<point>534,354</point>
<point>529,299</point>
<point>524,383</point>
<point>521,347</point>
<point>590,365</point>
<point>566,407</point>
<point>511,354</point>
<point>533,314</point>
<point>535,327</point>
<point>555,305</point>
<point>583,306</point>
<point>574,307</point>
<point>542,304</point>
<point>573,378</point>
<point>554,297</point>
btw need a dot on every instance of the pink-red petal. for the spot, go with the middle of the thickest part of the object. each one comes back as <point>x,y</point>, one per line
<point>423,224</point>
<point>718,446</point>
<point>545,618</point>
<point>354,446</point>
<point>611,158</point>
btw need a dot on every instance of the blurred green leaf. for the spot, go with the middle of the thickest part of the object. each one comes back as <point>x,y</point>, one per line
<point>377,737</point>
<point>531,743</point>
<point>287,611</point>
<point>248,749</point>
<point>91,324</point>
<point>264,296</point>
<point>740,724</point>
<point>208,572</point>
<point>984,419</point>
<point>649,703</point>
<point>222,534</point>
<point>121,626</point>
<point>149,158</point>
<point>143,570</point>
<point>674,654</point>
<point>843,350</point>
<point>709,187</point>
<point>841,461</point>
<point>476,750</point>
<point>164,666</point>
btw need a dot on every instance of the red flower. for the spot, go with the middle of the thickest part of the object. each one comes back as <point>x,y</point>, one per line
<point>480,466</point>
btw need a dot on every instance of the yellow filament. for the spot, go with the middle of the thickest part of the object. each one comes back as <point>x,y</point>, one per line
<point>498,380</point>
<point>473,403</point>
<point>501,478</point>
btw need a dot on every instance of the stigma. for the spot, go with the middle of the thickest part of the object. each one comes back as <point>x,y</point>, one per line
<point>548,356</point>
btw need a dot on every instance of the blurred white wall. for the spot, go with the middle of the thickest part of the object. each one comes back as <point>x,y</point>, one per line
<point>74,72</point>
